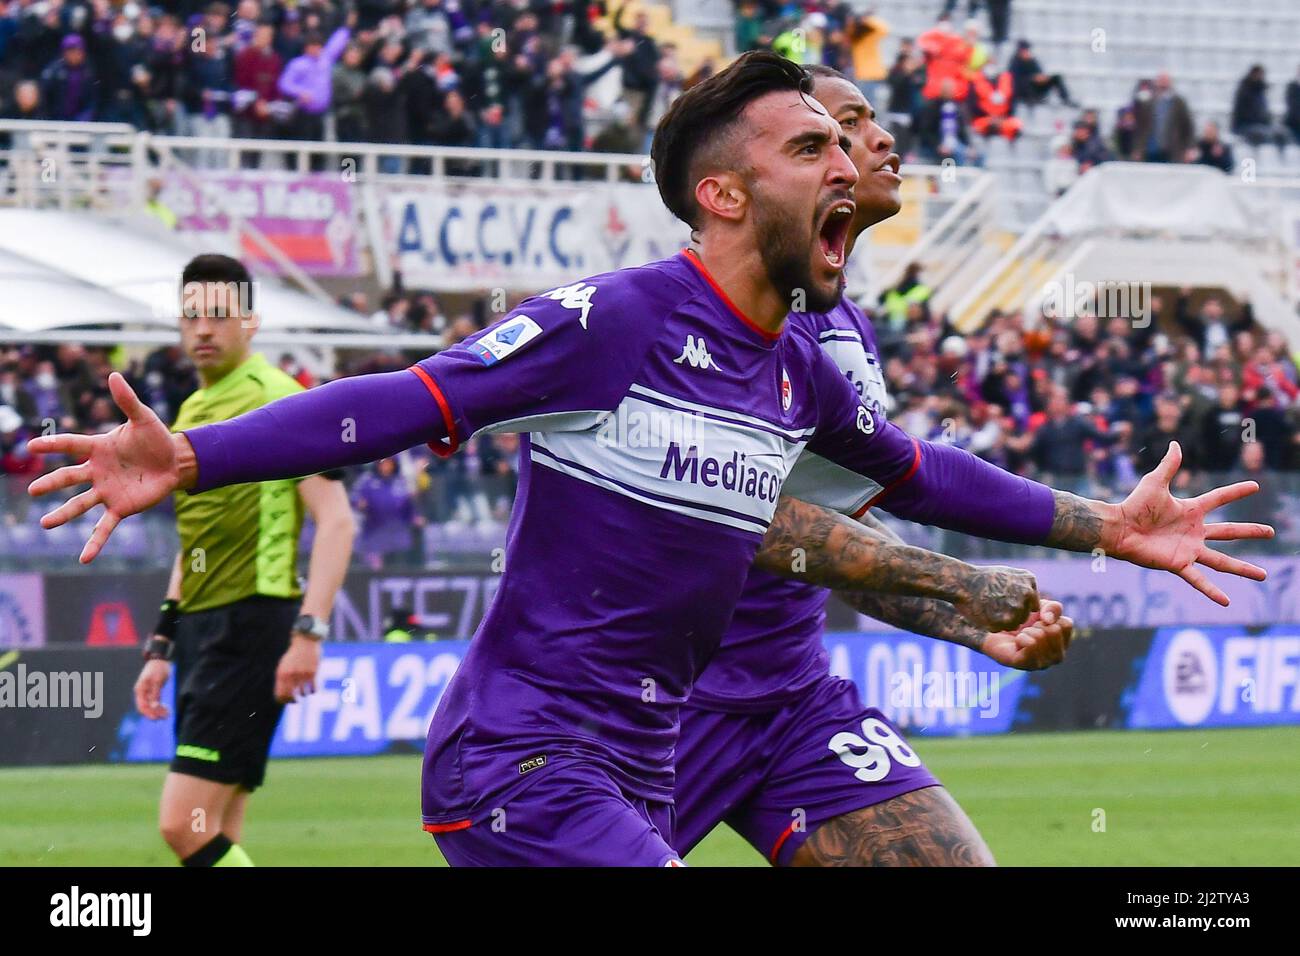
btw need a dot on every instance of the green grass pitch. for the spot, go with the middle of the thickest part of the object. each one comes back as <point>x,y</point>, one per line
<point>1175,798</point>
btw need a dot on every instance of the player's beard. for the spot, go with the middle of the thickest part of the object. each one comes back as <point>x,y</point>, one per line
<point>785,254</point>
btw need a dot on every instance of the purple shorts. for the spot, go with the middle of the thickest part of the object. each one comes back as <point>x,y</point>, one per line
<point>776,776</point>
<point>573,815</point>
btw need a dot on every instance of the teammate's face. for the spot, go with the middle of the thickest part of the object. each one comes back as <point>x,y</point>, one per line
<point>216,326</point>
<point>871,148</point>
<point>800,183</point>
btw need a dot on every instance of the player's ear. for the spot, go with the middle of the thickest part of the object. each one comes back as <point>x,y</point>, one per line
<point>722,195</point>
<point>250,324</point>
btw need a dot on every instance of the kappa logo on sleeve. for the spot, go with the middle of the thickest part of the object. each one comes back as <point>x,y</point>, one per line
<point>509,337</point>
<point>576,296</point>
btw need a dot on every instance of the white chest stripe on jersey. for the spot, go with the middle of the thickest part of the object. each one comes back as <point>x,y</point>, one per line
<point>725,414</point>
<point>728,472</point>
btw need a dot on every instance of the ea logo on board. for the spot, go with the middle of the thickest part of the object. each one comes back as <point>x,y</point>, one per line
<point>1191,677</point>
<point>787,396</point>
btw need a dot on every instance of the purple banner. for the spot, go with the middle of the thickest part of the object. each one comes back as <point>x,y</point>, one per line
<point>22,610</point>
<point>307,217</point>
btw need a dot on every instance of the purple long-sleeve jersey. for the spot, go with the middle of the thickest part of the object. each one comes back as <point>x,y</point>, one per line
<point>660,427</point>
<point>773,650</point>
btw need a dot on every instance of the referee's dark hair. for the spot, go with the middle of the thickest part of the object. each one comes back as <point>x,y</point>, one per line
<point>212,267</point>
<point>700,129</point>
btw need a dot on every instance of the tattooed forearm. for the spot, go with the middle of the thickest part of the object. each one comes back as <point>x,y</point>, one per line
<point>928,617</point>
<point>921,828</point>
<point>815,544</point>
<point>1076,523</point>
<point>821,546</point>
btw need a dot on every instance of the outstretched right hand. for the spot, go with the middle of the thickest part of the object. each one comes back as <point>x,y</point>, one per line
<point>129,470</point>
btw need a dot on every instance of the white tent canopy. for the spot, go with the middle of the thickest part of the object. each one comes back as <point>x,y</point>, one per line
<point>36,297</point>
<point>108,262</point>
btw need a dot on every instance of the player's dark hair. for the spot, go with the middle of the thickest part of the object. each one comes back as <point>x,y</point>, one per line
<point>705,114</point>
<point>211,267</point>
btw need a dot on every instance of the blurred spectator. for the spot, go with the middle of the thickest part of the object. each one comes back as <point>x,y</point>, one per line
<point>1221,432</point>
<point>1291,118</point>
<point>1162,123</point>
<point>1251,118</point>
<point>1210,327</point>
<point>68,85</point>
<point>26,102</point>
<point>947,61</point>
<point>1060,445</point>
<point>640,63</point>
<point>306,82</point>
<point>749,29</point>
<point>864,34</point>
<point>389,521</point>
<point>1062,169</point>
<point>1211,150</point>
<point>991,99</point>
<point>1032,82</point>
<point>941,127</point>
<point>257,71</point>
<point>209,94</point>
<point>910,292</point>
<point>1153,441</point>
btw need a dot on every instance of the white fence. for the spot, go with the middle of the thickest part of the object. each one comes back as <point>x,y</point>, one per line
<point>496,222</point>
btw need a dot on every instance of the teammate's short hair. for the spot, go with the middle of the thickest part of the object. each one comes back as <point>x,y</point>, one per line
<point>212,267</point>
<point>699,128</point>
<point>822,71</point>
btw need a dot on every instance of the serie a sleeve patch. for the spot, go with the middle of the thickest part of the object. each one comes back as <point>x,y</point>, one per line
<point>509,337</point>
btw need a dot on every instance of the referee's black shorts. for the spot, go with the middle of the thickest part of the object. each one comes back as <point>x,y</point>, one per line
<point>226,712</point>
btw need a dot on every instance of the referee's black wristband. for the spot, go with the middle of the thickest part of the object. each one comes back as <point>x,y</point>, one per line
<point>168,617</point>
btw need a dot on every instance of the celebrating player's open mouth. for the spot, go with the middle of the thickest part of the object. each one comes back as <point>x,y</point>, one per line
<point>833,231</point>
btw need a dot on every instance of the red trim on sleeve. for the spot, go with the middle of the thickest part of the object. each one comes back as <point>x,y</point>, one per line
<point>448,827</point>
<point>441,449</point>
<point>694,260</point>
<point>780,842</point>
<point>893,485</point>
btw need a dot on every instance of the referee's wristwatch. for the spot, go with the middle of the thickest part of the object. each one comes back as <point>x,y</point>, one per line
<point>312,627</point>
<point>158,649</point>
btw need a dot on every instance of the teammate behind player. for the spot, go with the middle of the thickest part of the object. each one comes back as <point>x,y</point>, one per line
<point>554,741</point>
<point>231,621</point>
<point>770,742</point>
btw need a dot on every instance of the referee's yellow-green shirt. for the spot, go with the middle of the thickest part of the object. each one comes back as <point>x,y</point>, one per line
<point>240,540</point>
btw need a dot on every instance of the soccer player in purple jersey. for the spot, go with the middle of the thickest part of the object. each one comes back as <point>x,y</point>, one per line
<point>626,557</point>
<point>770,742</point>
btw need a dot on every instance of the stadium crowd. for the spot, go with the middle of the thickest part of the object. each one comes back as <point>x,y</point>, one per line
<point>509,73</point>
<point>949,88</point>
<point>519,73</point>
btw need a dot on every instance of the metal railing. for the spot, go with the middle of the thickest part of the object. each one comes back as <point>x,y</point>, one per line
<point>80,154</point>
<point>109,167</point>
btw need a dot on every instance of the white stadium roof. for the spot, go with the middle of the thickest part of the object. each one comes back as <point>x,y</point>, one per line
<point>64,269</point>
